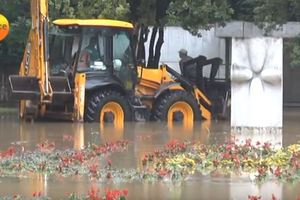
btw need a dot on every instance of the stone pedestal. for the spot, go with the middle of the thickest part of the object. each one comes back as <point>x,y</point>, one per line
<point>256,82</point>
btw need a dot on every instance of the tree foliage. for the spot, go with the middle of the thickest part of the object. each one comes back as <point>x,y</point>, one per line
<point>196,15</point>
<point>193,15</point>
<point>277,11</point>
<point>11,49</point>
<point>274,13</point>
<point>243,9</point>
<point>292,50</point>
<point>113,9</point>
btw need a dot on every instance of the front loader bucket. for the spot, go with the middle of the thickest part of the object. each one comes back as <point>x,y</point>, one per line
<point>61,89</point>
<point>24,87</point>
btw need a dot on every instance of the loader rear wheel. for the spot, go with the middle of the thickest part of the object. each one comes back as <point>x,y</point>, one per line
<point>108,106</point>
<point>176,106</point>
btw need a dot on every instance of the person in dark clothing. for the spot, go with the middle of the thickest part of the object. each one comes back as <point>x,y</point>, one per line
<point>192,68</point>
<point>187,70</point>
<point>89,54</point>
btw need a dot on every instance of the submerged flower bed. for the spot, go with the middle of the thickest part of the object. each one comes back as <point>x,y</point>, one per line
<point>173,162</point>
<point>94,193</point>
<point>258,161</point>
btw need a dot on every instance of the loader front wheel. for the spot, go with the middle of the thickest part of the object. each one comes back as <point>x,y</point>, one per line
<point>176,106</point>
<point>108,106</point>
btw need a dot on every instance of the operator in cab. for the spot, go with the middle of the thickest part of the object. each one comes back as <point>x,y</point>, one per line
<point>90,54</point>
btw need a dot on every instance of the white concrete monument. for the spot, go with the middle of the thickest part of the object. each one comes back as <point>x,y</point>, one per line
<point>256,86</point>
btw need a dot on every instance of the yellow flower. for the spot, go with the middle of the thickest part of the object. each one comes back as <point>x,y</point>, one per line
<point>280,158</point>
<point>249,163</point>
<point>293,148</point>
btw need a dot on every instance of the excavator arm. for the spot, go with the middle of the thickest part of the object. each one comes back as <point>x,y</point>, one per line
<point>33,79</point>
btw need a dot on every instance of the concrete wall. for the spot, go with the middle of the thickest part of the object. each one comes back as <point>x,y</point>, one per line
<point>176,38</point>
<point>241,29</point>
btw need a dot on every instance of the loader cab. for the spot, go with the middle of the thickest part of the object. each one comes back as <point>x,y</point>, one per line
<point>99,48</point>
<point>63,45</point>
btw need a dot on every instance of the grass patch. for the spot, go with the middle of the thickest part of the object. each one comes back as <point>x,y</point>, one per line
<point>8,109</point>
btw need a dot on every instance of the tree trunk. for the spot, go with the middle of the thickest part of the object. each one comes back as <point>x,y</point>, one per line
<point>140,37</point>
<point>151,48</point>
<point>158,46</point>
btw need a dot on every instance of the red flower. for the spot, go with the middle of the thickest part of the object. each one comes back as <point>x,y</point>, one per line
<point>248,143</point>
<point>65,161</point>
<point>109,162</point>
<point>125,192</point>
<point>68,138</point>
<point>46,147</point>
<point>253,197</point>
<point>277,172</point>
<point>144,161</point>
<point>79,156</point>
<point>171,144</point>
<point>108,175</point>
<point>229,147</point>
<point>162,172</point>
<point>36,194</point>
<point>115,194</point>
<point>226,156</point>
<point>216,163</point>
<point>261,171</point>
<point>267,146</point>
<point>93,169</point>
<point>112,195</point>
<point>236,160</point>
<point>156,152</point>
<point>42,166</point>
<point>93,193</point>
<point>8,153</point>
<point>274,197</point>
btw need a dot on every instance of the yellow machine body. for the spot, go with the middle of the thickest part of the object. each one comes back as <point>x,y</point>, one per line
<point>153,82</point>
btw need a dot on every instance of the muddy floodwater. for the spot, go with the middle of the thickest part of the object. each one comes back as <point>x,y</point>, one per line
<point>143,138</point>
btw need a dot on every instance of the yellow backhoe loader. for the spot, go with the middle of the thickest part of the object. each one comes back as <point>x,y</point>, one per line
<point>85,70</point>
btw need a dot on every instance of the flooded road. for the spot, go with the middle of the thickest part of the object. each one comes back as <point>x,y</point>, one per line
<point>143,138</point>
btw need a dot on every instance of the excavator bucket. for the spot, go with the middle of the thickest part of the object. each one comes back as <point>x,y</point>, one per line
<point>24,87</point>
<point>27,88</point>
<point>61,89</point>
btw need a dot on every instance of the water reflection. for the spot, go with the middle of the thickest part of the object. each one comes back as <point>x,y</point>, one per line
<point>266,190</point>
<point>260,136</point>
<point>35,184</point>
<point>272,136</point>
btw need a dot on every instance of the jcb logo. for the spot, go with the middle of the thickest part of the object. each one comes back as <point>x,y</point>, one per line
<point>4,27</point>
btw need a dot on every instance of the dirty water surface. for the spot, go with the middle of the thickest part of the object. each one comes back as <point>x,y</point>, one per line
<point>143,138</point>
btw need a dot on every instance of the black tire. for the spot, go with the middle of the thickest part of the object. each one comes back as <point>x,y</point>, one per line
<point>99,99</point>
<point>164,103</point>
